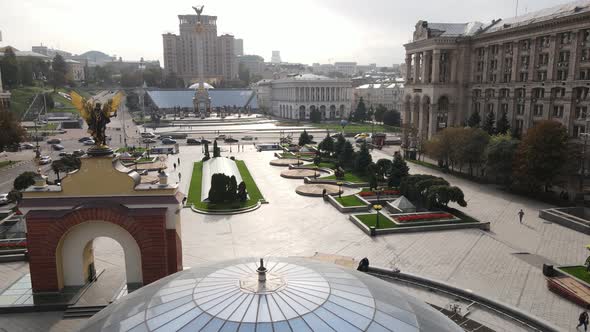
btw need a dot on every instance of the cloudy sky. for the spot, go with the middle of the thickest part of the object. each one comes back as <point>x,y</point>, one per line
<point>369,31</point>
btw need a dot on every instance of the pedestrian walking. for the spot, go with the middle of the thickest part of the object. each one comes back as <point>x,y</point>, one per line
<point>583,320</point>
<point>178,161</point>
<point>520,215</point>
<point>179,176</point>
<point>174,166</point>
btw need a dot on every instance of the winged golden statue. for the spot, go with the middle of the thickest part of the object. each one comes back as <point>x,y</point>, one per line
<point>97,116</point>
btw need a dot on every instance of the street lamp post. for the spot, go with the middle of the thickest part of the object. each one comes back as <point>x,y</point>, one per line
<point>339,189</point>
<point>377,208</point>
<point>298,156</point>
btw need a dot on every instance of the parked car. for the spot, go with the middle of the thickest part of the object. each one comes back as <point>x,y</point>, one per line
<point>220,137</point>
<point>148,135</point>
<point>54,141</point>
<point>205,141</point>
<point>89,142</point>
<point>4,199</point>
<point>27,146</point>
<point>168,141</point>
<point>163,137</point>
<point>57,147</point>
<point>193,141</point>
<point>360,140</point>
<point>362,135</point>
<point>230,140</point>
<point>44,160</point>
<point>84,139</point>
<point>64,153</point>
<point>247,138</point>
<point>149,140</point>
<point>78,153</point>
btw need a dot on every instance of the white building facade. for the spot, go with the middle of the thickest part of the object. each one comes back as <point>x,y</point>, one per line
<point>389,95</point>
<point>297,96</point>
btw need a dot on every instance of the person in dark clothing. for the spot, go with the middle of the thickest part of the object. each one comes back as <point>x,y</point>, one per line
<point>520,215</point>
<point>583,320</point>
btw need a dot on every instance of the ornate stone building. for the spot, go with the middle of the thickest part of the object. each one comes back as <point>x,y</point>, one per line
<point>531,67</point>
<point>389,95</point>
<point>297,96</point>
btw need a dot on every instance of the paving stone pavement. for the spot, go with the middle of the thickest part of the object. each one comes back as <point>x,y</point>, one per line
<point>294,225</point>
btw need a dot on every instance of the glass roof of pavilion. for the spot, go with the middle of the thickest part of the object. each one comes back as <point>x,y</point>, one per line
<point>219,98</point>
<point>217,165</point>
<point>298,295</point>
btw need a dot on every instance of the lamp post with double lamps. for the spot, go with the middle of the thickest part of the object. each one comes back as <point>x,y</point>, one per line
<point>377,208</point>
<point>339,183</point>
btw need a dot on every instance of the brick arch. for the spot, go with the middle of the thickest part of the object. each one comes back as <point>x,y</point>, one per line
<point>46,228</point>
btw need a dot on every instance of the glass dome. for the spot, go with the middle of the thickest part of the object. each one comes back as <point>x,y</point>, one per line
<point>296,295</point>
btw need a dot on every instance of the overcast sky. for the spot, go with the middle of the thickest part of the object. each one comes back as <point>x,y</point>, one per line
<point>369,31</point>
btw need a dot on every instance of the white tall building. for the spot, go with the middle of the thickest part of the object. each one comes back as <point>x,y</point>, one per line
<point>238,46</point>
<point>276,57</point>
<point>346,68</point>
<point>295,97</point>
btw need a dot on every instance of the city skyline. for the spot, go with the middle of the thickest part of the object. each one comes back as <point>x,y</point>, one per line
<point>345,31</point>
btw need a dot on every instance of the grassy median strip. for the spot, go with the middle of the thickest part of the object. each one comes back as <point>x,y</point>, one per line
<point>578,272</point>
<point>349,177</point>
<point>194,193</point>
<point>350,200</point>
<point>371,220</point>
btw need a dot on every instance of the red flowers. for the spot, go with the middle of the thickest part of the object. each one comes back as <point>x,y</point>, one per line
<point>383,193</point>
<point>425,216</point>
<point>13,244</point>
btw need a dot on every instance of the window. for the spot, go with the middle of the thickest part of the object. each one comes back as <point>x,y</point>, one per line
<point>558,92</point>
<point>584,74</point>
<point>538,110</point>
<point>524,77</point>
<point>476,107</point>
<point>564,57</point>
<point>525,45</point>
<point>585,55</point>
<point>520,109</point>
<point>520,93</point>
<point>543,59</point>
<point>524,61</point>
<point>480,52</point>
<point>508,48</point>
<point>578,130</point>
<point>480,66</point>
<point>543,41</point>
<point>494,49</point>
<point>565,38</point>
<point>493,78</point>
<point>508,64</point>
<point>541,76</point>
<point>581,113</point>
<point>558,111</point>
<point>476,93</point>
<point>538,93</point>
<point>562,75</point>
<point>504,93</point>
<point>507,77</point>
<point>494,64</point>
<point>504,108</point>
<point>586,35</point>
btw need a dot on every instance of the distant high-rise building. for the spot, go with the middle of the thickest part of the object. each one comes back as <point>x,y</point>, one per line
<point>238,47</point>
<point>346,68</point>
<point>181,55</point>
<point>254,64</point>
<point>276,57</point>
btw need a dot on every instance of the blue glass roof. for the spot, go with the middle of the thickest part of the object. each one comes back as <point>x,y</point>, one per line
<point>300,295</point>
<point>219,98</point>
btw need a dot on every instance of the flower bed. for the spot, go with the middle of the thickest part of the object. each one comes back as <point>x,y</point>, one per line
<point>13,245</point>
<point>424,217</point>
<point>383,193</point>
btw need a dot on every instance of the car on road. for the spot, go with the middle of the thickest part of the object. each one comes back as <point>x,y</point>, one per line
<point>57,147</point>
<point>149,140</point>
<point>44,160</point>
<point>168,141</point>
<point>361,135</point>
<point>361,140</point>
<point>84,139</point>
<point>164,137</point>
<point>230,140</point>
<point>27,146</point>
<point>247,138</point>
<point>205,141</point>
<point>78,153</point>
<point>220,137</point>
<point>193,141</point>
<point>64,153</point>
<point>148,135</point>
<point>89,142</point>
<point>4,199</point>
<point>54,141</point>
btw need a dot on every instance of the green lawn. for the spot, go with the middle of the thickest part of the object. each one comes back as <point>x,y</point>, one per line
<point>578,272</point>
<point>357,128</point>
<point>371,220</point>
<point>6,163</point>
<point>145,160</point>
<point>21,98</point>
<point>350,200</point>
<point>349,177</point>
<point>129,149</point>
<point>327,164</point>
<point>194,194</point>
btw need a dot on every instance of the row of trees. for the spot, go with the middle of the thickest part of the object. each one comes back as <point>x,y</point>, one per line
<point>432,191</point>
<point>380,114</point>
<point>489,125</point>
<point>226,189</point>
<point>536,161</point>
<point>23,72</point>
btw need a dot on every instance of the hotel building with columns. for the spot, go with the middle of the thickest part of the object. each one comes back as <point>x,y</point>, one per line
<point>532,67</point>
<point>295,97</point>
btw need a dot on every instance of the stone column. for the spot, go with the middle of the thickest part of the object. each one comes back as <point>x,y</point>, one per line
<point>416,73</point>
<point>432,122</point>
<point>532,60</point>
<point>453,65</point>
<point>573,62</point>
<point>486,63</point>
<point>515,60</point>
<point>422,126</point>
<point>435,66</point>
<point>426,56</point>
<point>407,113</point>
<point>416,115</point>
<point>552,57</point>
<point>408,67</point>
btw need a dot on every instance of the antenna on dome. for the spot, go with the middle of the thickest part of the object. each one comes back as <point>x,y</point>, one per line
<point>261,271</point>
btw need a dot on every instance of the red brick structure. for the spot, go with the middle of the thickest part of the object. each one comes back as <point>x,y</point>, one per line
<point>102,199</point>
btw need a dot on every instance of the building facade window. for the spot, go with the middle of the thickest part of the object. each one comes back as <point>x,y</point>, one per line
<point>558,111</point>
<point>538,110</point>
<point>581,112</point>
<point>562,75</point>
<point>519,109</point>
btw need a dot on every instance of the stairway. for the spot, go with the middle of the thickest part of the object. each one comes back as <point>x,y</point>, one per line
<point>74,312</point>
